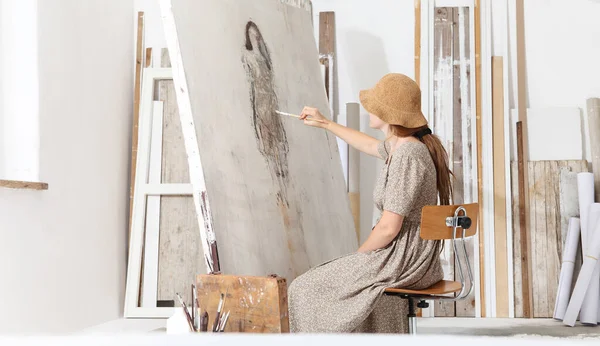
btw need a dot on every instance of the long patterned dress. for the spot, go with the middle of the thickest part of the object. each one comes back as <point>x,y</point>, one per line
<point>346,294</point>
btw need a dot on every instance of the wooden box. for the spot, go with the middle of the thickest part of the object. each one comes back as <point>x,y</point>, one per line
<point>257,304</point>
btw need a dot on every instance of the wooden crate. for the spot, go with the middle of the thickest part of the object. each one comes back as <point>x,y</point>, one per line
<point>257,304</point>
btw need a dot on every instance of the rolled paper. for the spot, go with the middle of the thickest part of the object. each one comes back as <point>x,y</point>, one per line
<point>566,271</point>
<point>590,260</point>
<point>585,187</point>
<point>589,315</point>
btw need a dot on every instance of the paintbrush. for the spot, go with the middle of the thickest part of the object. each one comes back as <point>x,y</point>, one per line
<point>204,322</point>
<point>224,321</point>
<point>197,315</point>
<point>218,315</point>
<point>193,312</point>
<point>185,310</point>
<point>297,116</point>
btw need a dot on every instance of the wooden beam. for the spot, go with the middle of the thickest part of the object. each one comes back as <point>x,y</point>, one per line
<point>522,117</point>
<point>502,301</point>
<point>139,51</point>
<point>27,185</point>
<point>478,111</point>
<point>327,47</point>
<point>148,62</point>
<point>525,262</point>
<point>326,32</point>
<point>418,41</point>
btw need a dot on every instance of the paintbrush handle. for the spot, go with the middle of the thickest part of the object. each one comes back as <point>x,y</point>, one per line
<point>297,116</point>
<point>216,323</point>
<point>204,322</point>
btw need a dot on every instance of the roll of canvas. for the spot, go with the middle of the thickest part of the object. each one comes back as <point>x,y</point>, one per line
<point>589,314</point>
<point>590,260</point>
<point>566,271</point>
<point>585,187</point>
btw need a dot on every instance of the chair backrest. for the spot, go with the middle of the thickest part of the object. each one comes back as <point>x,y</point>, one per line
<point>433,221</point>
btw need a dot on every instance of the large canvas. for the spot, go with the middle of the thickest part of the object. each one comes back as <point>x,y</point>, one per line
<point>274,186</point>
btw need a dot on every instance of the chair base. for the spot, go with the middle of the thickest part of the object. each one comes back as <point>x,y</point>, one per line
<point>412,313</point>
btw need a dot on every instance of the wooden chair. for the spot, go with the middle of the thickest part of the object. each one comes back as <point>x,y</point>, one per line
<point>443,223</point>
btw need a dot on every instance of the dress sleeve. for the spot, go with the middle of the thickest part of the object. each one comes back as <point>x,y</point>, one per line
<point>405,178</point>
<point>382,149</point>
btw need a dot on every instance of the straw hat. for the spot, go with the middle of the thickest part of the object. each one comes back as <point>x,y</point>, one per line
<point>395,99</point>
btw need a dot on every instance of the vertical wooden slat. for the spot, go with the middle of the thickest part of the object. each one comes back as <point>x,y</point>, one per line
<point>139,51</point>
<point>540,237</point>
<point>553,235</point>
<point>148,62</point>
<point>516,226</point>
<point>522,117</point>
<point>501,265</point>
<point>327,44</point>
<point>418,41</point>
<point>443,116</point>
<point>478,110</point>
<point>523,234</point>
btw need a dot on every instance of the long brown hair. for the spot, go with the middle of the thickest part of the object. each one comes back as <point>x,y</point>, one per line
<point>438,154</point>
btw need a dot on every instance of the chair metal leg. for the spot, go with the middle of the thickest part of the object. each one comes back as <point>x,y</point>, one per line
<point>412,317</point>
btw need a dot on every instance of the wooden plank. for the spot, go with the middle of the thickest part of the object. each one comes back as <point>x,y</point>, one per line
<point>517,256</point>
<point>256,304</point>
<point>539,235</point>
<point>136,109</point>
<point>327,46</point>
<point>326,32</point>
<point>593,107</point>
<point>148,62</point>
<point>465,307</point>
<point>180,253</point>
<point>523,236</point>
<point>522,109</point>
<point>30,185</point>
<point>443,121</point>
<point>478,111</point>
<point>548,186</point>
<point>553,235</point>
<point>418,41</point>
<point>501,257</point>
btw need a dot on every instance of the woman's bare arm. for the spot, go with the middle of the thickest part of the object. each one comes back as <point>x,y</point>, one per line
<point>354,138</point>
<point>384,232</point>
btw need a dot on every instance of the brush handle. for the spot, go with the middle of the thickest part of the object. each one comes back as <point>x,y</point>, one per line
<point>216,322</point>
<point>297,116</point>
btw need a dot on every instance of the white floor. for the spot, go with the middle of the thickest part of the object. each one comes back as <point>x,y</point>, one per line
<point>492,327</point>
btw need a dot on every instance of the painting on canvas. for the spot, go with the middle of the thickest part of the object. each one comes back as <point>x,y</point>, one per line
<point>275,186</point>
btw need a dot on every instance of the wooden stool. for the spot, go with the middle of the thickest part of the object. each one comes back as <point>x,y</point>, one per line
<point>442,223</point>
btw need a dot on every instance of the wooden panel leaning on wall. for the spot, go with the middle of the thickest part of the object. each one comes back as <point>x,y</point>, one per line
<point>544,223</point>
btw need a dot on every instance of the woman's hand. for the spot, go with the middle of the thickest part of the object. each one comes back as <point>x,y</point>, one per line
<point>313,117</point>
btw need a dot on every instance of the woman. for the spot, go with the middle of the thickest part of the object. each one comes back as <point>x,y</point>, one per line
<point>346,294</point>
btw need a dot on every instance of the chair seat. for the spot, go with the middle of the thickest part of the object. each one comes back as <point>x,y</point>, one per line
<point>439,288</point>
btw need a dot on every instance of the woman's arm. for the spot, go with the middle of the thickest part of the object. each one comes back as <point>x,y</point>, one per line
<point>354,138</point>
<point>384,232</point>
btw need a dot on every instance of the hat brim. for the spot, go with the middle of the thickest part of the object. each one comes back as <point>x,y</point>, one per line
<point>385,113</point>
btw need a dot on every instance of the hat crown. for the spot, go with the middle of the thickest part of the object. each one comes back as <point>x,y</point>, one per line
<point>395,99</point>
<point>399,92</point>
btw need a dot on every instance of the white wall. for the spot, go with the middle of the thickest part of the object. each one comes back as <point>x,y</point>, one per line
<point>19,133</point>
<point>63,251</point>
<point>563,55</point>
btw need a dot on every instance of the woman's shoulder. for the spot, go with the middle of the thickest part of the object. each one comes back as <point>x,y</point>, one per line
<point>414,152</point>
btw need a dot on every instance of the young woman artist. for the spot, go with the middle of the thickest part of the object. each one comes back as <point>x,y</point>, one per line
<point>346,294</point>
